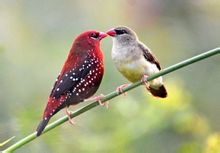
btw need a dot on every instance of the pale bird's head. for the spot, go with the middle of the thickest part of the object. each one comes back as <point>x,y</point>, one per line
<point>122,35</point>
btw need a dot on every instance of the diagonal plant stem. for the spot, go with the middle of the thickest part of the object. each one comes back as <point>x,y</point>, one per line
<point>112,95</point>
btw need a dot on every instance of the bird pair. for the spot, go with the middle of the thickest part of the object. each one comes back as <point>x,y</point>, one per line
<point>83,70</point>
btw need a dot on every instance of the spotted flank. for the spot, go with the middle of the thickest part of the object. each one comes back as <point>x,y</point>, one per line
<point>73,87</point>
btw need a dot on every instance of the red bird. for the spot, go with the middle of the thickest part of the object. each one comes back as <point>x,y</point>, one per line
<point>80,76</point>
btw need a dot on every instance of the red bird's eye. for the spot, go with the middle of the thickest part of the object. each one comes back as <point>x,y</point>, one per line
<point>94,35</point>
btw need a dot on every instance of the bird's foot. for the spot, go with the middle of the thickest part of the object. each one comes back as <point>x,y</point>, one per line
<point>143,79</point>
<point>120,89</point>
<point>71,120</point>
<point>99,99</point>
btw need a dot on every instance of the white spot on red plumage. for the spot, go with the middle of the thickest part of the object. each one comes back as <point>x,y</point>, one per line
<point>66,74</point>
<point>77,94</point>
<point>61,81</point>
<point>71,77</point>
<point>58,89</point>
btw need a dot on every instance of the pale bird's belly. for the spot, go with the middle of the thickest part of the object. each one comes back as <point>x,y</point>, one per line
<point>135,70</point>
<point>132,72</point>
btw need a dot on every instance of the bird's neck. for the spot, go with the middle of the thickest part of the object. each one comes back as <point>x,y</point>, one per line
<point>97,53</point>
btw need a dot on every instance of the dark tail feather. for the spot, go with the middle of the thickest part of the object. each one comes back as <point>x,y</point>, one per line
<point>161,92</point>
<point>41,126</point>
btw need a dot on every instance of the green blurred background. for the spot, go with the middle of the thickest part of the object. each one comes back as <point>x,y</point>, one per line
<point>35,37</point>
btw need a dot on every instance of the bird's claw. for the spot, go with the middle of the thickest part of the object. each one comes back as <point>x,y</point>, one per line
<point>71,120</point>
<point>99,99</point>
<point>143,79</point>
<point>120,89</point>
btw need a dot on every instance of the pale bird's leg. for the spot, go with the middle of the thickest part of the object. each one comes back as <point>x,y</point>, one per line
<point>121,88</point>
<point>143,79</point>
<point>71,121</point>
<point>99,99</point>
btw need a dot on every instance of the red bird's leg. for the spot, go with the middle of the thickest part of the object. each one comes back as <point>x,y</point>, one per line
<point>99,99</point>
<point>143,79</point>
<point>121,88</point>
<point>71,121</point>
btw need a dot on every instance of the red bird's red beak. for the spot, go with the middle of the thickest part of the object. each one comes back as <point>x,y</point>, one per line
<point>111,32</point>
<point>102,35</point>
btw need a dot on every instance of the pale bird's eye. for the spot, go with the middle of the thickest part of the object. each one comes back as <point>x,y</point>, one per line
<point>120,32</point>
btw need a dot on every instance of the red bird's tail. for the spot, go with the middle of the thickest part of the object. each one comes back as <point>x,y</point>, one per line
<point>161,92</point>
<point>41,126</point>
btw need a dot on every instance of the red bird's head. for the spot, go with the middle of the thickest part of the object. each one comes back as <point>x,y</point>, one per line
<point>89,39</point>
<point>86,44</point>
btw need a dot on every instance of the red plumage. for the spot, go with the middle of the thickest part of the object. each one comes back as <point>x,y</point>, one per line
<point>80,76</point>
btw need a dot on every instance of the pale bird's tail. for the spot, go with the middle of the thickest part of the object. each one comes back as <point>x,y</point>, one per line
<point>160,92</point>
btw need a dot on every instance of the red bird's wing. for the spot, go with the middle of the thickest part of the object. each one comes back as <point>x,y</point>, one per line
<point>73,87</point>
<point>70,79</point>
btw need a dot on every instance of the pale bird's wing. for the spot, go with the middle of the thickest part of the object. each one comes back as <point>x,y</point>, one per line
<point>149,56</point>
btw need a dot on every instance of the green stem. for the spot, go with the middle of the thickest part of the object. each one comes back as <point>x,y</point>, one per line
<point>60,121</point>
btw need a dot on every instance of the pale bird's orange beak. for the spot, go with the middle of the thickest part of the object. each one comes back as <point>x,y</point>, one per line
<point>111,32</point>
